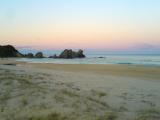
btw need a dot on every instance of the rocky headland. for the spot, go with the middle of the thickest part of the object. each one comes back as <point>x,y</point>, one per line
<point>10,51</point>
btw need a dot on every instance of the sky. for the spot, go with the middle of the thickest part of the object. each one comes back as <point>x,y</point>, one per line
<point>86,24</point>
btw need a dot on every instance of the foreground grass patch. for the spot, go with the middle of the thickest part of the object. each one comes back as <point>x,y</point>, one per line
<point>51,116</point>
<point>109,116</point>
<point>98,93</point>
<point>149,114</point>
<point>98,101</point>
<point>69,93</point>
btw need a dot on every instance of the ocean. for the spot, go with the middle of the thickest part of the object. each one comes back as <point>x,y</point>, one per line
<point>133,59</point>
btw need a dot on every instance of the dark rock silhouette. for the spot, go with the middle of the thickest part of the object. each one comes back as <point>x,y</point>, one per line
<point>29,55</point>
<point>39,55</point>
<point>80,54</point>
<point>54,56</point>
<point>68,53</point>
<point>9,51</point>
<point>101,57</point>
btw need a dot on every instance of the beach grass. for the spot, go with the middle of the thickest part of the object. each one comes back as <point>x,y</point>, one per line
<point>149,114</point>
<point>39,95</point>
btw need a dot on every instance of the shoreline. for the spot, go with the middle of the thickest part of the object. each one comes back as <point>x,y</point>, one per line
<point>128,70</point>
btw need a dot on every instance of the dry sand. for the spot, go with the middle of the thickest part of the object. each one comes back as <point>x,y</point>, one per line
<point>30,91</point>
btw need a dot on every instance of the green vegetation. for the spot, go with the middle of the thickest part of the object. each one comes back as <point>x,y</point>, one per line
<point>98,93</point>
<point>69,93</point>
<point>109,116</point>
<point>24,101</point>
<point>59,98</point>
<point>98,101</point>
<point>51,116</point>
<point>150,114</point>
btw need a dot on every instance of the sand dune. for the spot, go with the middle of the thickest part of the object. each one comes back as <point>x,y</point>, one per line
<point>78,92</point>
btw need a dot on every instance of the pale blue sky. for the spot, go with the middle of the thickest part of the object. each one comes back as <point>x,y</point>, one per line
<point>71,10</point>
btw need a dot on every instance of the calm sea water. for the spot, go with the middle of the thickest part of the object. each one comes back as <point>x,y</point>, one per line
<point>153,60</point>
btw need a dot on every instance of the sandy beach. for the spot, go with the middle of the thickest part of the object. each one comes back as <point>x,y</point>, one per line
<point>41,91</point>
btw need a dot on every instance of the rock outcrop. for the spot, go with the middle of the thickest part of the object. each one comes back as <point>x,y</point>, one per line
<point>68,54</point>
<point>80,54</point>
<point>39,55</point>
<point>9,51</point>
<point>29,55</point>
<point>54,56</point>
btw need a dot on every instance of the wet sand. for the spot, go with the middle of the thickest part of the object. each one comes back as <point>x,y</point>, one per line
<point>78,92</point>
<point>147,72</point>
